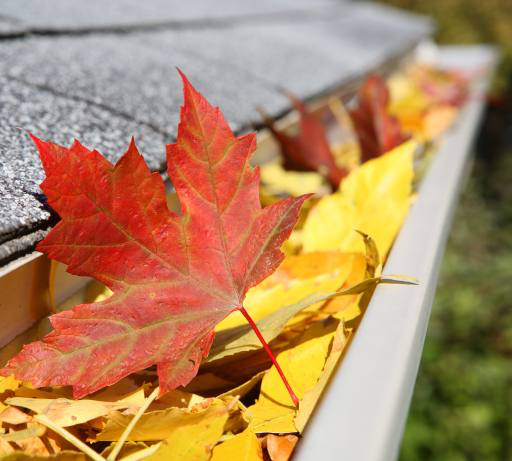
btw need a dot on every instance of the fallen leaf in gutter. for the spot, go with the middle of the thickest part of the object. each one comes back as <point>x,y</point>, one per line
<point>280,447</point>
<point>242,447</point>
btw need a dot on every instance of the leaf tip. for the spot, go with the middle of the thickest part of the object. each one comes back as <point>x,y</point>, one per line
<point>132,148</point>
<point>39,143</point>
<point>186,82</point>
<point>399,280</point>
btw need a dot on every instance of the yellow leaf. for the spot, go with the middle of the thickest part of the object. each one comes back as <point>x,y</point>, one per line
<point>271,325</point>
<point>124,391</point>
<point>407,96</point>
<point>241,338</point>
<point>347,154</point>
<point>158,425</point>
<point>278,181</point>
<point>194,437</point>
<point>374,199</point>
<point>302,364</point>
<point>12,415</point>
<point>129,448</point>
<point>242,447</point>
<point>7,383</point>
<point>311,397</point>
<point>268,417</point>
<point>206,383</point>
<point>347,307</point>
<point>65,412</point>
<point>244,388</point>
<point>177,398</point>
<point>297,277</point>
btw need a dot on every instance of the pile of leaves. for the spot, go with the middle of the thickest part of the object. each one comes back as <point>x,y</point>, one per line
<point>206,335</point>
<point>418,102</point>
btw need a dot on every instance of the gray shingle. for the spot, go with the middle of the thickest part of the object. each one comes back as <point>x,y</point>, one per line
<point>76,14</point>
<point>131,76</point>
<point>60,119</point>
<point>237,68</point>
<point>10,27</point>
<point>306,58</point>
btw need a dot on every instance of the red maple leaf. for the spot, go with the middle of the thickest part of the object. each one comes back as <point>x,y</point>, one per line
<point>378,132</point>
<point>174,276</point>
<point>309,149</point>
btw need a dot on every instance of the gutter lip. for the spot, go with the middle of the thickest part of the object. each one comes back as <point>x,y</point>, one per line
<point>19,262</point>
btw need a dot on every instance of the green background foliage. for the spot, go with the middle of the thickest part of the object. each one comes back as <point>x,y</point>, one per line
<point>470,21</point>
<point>462,405</point>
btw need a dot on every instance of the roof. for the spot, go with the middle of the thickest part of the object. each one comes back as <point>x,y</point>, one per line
<point>104,71</point>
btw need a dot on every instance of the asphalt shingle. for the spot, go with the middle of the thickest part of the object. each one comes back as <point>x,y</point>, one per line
<point>238,68</point>
<point>24,108</point>
<point>72,15</point>
<point>10,27</point>
<point>132,76</point>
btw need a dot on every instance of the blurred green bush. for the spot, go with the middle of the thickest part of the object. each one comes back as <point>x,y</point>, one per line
<point>462,406</point>
<point>471,21</point>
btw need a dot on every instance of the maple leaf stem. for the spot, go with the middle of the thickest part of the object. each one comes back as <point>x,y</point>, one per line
<point>270,354</point>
